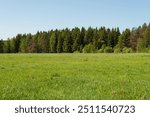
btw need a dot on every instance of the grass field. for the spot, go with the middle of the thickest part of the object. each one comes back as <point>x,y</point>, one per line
<point>75,76</point>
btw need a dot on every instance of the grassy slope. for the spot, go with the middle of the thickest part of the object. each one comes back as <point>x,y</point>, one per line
<point>75,76</point>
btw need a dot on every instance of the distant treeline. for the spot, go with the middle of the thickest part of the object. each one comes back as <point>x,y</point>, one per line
<point>78,40</point>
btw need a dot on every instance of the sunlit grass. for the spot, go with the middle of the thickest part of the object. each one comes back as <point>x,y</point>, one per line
<point>75,76</point>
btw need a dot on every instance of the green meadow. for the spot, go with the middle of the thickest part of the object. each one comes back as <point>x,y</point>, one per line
<point>74,76</point>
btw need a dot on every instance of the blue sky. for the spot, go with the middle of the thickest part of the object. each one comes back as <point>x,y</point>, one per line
<point>29,16</point>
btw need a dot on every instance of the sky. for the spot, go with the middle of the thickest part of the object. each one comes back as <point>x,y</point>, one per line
<point>30,16</point>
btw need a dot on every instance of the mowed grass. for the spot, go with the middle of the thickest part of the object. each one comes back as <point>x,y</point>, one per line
<point>74,76</point>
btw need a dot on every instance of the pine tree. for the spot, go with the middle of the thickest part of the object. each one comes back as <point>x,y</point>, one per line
<point>76,39</point>
<point>134,37</point>
<point>33,47</point>
<point>102,37</point>
<point>1,46</point>
<point>17,42</point>
<point>95,39</point>
<point>43,42</point>
<point>124,40</point>
<point>60,43</point>
<point>13,48</point>
<point>109,38</point>
<point>67,44</point>
<point>23,45</point>
<point>82,34</point>
<point>115,36</point>
<point>147,37</point>
<point>53,42</point>
<point>121,44</point>
<point>88,38</point>
<point>28,43</point>
<point>7,46</point>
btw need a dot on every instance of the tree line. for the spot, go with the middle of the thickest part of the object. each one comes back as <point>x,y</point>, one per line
<point>79,40</point>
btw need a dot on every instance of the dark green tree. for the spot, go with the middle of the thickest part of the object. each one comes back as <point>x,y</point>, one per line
<point>43,42</point>
<point>33,46</point>
<point>88,38</point>
<point>144,43</point>
<point>1,46</point>
<point>60,43</point>
<point>95,39</point>
<point>17,42</point>
<point>102,37</point>
<point>53,42</point>
<point>82,34</point>
<point>7,46</point>
<point>76,39</point>
<point>124,40</point>
<point>134,37</point>
<point>67,44</point>
<point>23,44</point>
<point>28,43</point>
<point>13,47</point>
<point>146,40</point>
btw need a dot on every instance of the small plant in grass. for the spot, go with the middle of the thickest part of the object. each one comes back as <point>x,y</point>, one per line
<point>108,50</point>
<point>117,50</point>
<point>127,50</point>
<point>100,51</point>
<point>76,52</point>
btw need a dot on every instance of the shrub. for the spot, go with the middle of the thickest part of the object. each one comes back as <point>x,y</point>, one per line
<point>103,47</point>
<point>89,49</point>
<point>148,50</point>
<point>117,50</point>
<point>76,52</point>
<point>127,50</point>
<point>108,50</point>
<point>100,51</point>
<point>124,49</point>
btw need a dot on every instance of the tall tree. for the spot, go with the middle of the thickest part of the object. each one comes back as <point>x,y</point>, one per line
<point>60,43</point>
<point>53,42</point>
<point>7,46</point>
<point>17,42</point>
<point>76,39</point>
<point>1,46</point>
<point>43,42</point>
<point>28,43</point>
<point>134,37</point>
<point>115,36</point>
<point>13,48</point>
<point>109,38</point>
<point>67,44</point>
<point>95,39</point>
<point>102,37</point>
<point>88,38</point>
<point>146,39</point>
<point>124,39</point>
<point>82,34</point>
<point>33,46</point>
<point>23,44</point>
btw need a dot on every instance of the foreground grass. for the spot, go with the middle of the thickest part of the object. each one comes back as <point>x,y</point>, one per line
<point>75,76</point>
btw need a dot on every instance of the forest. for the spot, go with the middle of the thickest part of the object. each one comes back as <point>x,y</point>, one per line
<point>81,40</point>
